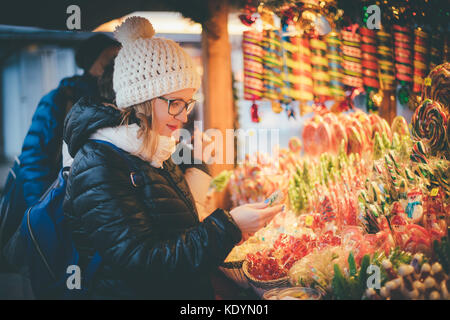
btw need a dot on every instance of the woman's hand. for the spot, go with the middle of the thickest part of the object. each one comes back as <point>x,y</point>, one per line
<point>252,217</point>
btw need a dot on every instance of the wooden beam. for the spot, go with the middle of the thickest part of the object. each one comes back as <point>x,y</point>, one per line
<point>217,83</point>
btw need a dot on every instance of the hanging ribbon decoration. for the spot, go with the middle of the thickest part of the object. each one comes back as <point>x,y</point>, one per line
<point>370,66</point>
<point>420,65</point>
<point>351,62</point>
<point>335,70</point>
<point>253,69</point>
<point>290,79</point>
<point>386,60</point>
<point>272,60</point>
<point>403,61</point>
<point>304,73</point>
<point>320,75</point>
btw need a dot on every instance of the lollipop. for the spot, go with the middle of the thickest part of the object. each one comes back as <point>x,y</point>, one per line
<point>419,153</point>
<point>429,123</point>
<point>335,70</point>
<point>351,63</point>
<point>319,68</point>
<point>272,68</point>
<point>385,60</point>
<point>420,58</point>
<point>370,65</point>
<point>253,67</point>
<point>437,85</point>
<point>403,60</point>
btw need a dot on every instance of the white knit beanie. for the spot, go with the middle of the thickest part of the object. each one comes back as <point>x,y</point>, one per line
<point>148,67</point>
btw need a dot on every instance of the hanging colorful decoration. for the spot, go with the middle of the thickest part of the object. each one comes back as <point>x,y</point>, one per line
<point>386,60</point>
<point>420,59</point>
<point>272,61</point>
<point>248,16</point>
<point>351,54</point>
<point>370,66</point>
<point>403,61</point>
<point>305,89</point>
<point>253,69</point>
<point>319,69</point>
<point>291,72</point>
<point>334,66</point>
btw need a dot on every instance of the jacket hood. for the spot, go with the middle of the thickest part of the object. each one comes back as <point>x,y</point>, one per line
<point>86,117</point>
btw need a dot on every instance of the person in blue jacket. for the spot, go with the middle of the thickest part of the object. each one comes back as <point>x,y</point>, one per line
<point>41,156</point>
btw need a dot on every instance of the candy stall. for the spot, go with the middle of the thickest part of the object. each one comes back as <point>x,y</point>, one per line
<point>367,192</point>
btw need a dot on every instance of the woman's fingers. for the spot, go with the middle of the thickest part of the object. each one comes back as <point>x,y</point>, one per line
<point>257,205</point>
<point>271,211</point>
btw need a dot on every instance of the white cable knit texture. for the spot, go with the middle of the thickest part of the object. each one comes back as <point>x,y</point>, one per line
<point>149,67</point>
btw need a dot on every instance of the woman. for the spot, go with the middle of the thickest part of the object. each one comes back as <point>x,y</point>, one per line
<point>146,230</point>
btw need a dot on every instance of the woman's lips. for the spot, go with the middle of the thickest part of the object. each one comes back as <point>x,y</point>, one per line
<point>173,128</point>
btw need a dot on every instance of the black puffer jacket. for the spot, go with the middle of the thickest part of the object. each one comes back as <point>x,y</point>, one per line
<point>150,239</point>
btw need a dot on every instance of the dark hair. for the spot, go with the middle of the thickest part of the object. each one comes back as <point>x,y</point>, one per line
<point>90,49</point>
<point>105,83</point>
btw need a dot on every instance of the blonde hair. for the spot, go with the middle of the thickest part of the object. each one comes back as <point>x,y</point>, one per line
<point>144,112</point>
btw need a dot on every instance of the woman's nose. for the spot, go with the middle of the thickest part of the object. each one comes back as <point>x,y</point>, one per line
<point>182,116</point>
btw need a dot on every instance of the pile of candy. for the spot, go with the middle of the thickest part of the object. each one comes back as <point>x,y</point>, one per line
<point>275,262</point>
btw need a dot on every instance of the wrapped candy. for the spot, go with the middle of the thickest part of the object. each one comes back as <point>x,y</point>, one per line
<point>334,66</point>
<point>420,59</point>
<point>351,63</point>
<point>403,60</point>
<point>272,59</point>
<point>385,60</point>
<point>319,68</point>
<point>429,123</point>
<point>369,64</point>
<point>253,66</point>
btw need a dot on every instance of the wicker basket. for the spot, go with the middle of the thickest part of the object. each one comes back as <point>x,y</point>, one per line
<point>233,270</point>
<point>267,284</point>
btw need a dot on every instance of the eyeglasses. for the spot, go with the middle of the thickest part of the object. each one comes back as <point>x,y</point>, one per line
<point>176,106</point>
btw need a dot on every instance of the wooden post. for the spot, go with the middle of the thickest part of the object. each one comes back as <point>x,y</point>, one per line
<point>388,108</point>
<point>218,111</point>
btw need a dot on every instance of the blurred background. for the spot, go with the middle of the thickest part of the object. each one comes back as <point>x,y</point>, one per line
<point>33,60</point>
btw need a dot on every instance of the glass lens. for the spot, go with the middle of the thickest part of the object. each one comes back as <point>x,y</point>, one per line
<point>176,106</point>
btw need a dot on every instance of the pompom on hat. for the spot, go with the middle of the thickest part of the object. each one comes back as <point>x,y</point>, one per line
<point>148,67</point>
